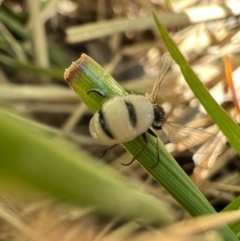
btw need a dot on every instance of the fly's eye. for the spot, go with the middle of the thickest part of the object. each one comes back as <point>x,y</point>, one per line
<point>159,114</point>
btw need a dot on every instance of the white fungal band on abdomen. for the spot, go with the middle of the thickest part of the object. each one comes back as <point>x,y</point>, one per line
<point>121,119</point>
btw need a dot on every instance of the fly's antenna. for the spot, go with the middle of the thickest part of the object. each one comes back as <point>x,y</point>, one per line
<point>165,63</point>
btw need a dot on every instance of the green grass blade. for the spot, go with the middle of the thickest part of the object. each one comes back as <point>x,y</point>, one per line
<point>230,129</point>
<point>26,66</point>
<point>54,166</point>
<point>234,205</point>
<point>12,22</point>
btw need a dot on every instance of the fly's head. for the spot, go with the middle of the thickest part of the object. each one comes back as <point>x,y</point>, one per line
<point>159,117</point>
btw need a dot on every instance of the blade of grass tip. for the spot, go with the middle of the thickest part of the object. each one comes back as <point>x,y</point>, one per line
<point>213,109</point>
<point>84,75</point>
<point>230,129</point>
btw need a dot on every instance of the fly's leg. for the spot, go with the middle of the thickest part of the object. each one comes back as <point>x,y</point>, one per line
<point>102,93</point>
<point>105,151</point>
<point>97,91</point>
<point>144,136</point>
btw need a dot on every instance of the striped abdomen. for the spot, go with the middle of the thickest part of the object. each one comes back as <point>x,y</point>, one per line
<point>121,119</point>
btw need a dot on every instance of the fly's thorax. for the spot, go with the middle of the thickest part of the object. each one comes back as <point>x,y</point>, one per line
<point>144,112</point>
<point>159,117</point>
<point>121,119</point>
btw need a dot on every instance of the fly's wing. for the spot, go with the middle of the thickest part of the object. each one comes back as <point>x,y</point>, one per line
<point>166,61</point>
<point>196,140</point>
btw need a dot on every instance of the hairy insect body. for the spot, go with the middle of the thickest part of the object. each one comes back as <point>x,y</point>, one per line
<point>121,119</point>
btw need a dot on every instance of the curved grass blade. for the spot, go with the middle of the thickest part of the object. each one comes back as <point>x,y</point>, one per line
<point>225,123</point>
<point>220,117</point>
